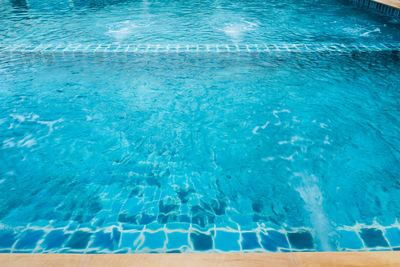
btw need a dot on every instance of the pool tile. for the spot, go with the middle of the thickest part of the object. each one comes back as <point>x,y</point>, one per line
<point>272,240</point>
<point>55,239</point>
<point>177,240</point>
<point>154,240</point>
<point>29,239</point>
<point>349,240</point>
<point>373,237</point>
<point>79,240</point>
<point>103,241</point>
<point>201,241</point>
<point>130,240</point>
<point>267,243</point>
<point>393,235</point>
<point>116,235</point>
<point>301,240</point>
<point>147,219</point>
<point>7,238</point>
<point>279,238</point>
<point>250,241</point>
<point>227,241</point>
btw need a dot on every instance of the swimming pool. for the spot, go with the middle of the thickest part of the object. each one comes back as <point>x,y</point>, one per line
<point>185,136</point>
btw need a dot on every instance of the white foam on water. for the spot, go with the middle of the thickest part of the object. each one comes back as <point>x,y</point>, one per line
<point>369,32</point>
<point>50,124</point>
<point>18,117</point>
<point>268,159</point>
<point>312,196</point>
<point>121,30</point>
<point>8,143</point>
<point>236,30</point>
<point>27,141</point>
<point>265,125</point>
<point>255,130</point>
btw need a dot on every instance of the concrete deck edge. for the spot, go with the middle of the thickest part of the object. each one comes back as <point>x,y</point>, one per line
<point>381,258</point>
<point>391,3</point>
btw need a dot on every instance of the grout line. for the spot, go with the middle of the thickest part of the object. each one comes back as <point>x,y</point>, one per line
<point>200,48</point>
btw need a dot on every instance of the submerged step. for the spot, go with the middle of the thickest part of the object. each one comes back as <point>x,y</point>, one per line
<point>209,48</point>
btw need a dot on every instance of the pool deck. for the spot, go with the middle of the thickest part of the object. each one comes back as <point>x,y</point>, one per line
<point>392,3</point>
<point>382,258</point>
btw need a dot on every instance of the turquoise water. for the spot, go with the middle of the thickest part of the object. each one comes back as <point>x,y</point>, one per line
<point>192,22</point>
<point>190,152</point>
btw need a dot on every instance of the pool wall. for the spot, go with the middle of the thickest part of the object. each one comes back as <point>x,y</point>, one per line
<point>389,8</point>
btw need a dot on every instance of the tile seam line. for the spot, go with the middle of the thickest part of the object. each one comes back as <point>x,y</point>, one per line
<point>194,52</point>
<point>201,48</point>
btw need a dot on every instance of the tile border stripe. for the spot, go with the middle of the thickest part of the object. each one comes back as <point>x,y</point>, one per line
<point>201,48</point>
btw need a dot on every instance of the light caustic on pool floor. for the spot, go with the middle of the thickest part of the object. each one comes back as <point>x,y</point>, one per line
<point>198,126</point>
<point>188,152</point>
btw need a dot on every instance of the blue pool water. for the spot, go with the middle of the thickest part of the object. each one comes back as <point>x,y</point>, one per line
<point>194,21</point>
<point>104,152</point>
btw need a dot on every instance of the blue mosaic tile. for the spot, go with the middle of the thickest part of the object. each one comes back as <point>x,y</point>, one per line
<point>301,240</point>
<point>201,241</point>
<point>273,240</point>
<point>373,237</point>
<point>132,48</point>
<point>222,48</point>
<point>211,48</point>
<point>130,240</point>
<point>79,240</point>
<point>184,219</point>
<point>393,235</point>
<point>227,241</point>
<point>192,48</point>
<point>177,240</point>
<point>55,239</point>
<point>250,241</point>
<point>172,48</point>
<point>279,238</point>
<point>116,235</point>
<point>349,240</point>
<point>29,239</point>
<point>73,226</point>
<point>7,238</point>
<point>154,240</point>
<point>260,48</point>
<point>103,240</point>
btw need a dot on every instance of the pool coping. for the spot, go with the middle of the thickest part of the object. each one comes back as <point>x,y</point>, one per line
<point>385,7</point>
<point>391,3</point>
<point>378,258</point>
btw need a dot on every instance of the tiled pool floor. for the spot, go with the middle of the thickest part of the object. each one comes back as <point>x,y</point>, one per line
<point>182,215</point>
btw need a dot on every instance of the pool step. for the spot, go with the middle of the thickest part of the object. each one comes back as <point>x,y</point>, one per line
<point>387,7</point>
<point>203,48</point>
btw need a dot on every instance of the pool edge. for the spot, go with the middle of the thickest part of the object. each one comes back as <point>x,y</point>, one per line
<point>378,258</point>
